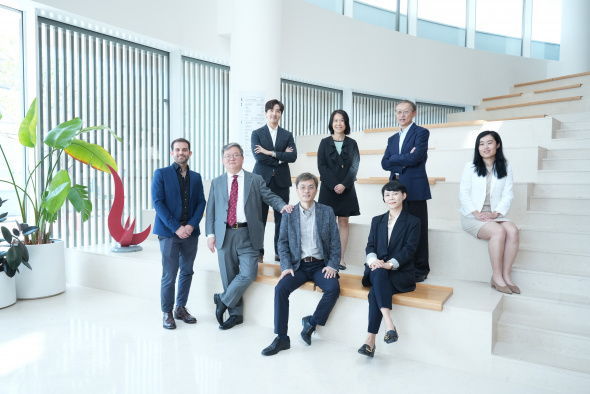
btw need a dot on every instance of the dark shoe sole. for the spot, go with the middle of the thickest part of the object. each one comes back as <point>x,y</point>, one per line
<point>170,328</point>
<point>364,350</point>
<point>221,327</point>
<point>272,353</point>
<point>219,318</point>
<point>186,321</point>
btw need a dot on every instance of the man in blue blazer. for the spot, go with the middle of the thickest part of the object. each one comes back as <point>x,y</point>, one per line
<point>179,201</point>
<point>309,247</point>
<point>273,148</point>
<point>405,157</point>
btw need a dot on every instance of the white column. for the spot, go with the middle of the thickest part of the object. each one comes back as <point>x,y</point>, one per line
<point>255,55</point>
<point>575,38</point>
<point>527,27</point>
<point>470,24</point>
<point>413,17</point>
<point>348,8</point>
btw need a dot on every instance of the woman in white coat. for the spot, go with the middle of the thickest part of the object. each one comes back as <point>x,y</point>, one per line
<point>486,195</point>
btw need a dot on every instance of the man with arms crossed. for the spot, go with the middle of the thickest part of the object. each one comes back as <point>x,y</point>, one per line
<point>309,247</point>
<point>273,149</point>
<point>179,202</point>
<point>405,157</point>
<point>234,226</point>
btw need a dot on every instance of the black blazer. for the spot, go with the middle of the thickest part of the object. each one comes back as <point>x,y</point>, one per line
<point>402,246</point>
<point>337,168</point>
<point>265,165</point>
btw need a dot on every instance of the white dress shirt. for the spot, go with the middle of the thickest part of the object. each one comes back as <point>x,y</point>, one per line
<point>309,246</point>
<point>240,214</point>
<point>273,136</point>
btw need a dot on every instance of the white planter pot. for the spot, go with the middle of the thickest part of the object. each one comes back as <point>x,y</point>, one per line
<point>48,276</point>
<point>7,290</point>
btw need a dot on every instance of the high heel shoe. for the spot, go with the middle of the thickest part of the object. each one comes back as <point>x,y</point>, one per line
<point>501,289</point>
<point>514,289</point>
<point>366,350</point>
<point>391,336</point>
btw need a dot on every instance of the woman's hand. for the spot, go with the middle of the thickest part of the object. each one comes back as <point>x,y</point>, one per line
<point>485,216</point>
<point>377,264</point>
<point>339,188</point>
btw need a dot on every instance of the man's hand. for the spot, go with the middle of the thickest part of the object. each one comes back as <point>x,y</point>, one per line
<point>211,244</point>
<point>260,149</point>
<point>288,208</point>
<point>287,272</point>
<point>377,264</point>
<point>413,149</point>
<point>339,188</point>
<point>189,229</point>
<point>289,149</point>
<point>329,272</point>
<point>182,233</point>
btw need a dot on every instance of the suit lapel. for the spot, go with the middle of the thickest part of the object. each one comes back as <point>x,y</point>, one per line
<point>297,229</point>
<point>408,136</point>
<point>247,185</point>
<point>282,135</point>
<point>382,236</point>
<point>268,141</point>
<point>176,183</point>
<point>319,218</point>
<point>397,232</point>
<point>223,184</point>
<point>395,143</point>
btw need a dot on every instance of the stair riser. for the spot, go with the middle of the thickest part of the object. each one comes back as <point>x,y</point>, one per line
<point>566,165</point>
<point>557,190</point>
<point>556,240</point>
<point>532,280</point>
<point>563,222</point>
<point>572,134</point>
<point>567,177</point>
<point>568,154</point>
<point>581,125</point>
<point>575,315</point>
<point>584,79</point>
<point>552,262</point>
<point>551,342</point>
<point>555,205</point>
<point>566,143</point>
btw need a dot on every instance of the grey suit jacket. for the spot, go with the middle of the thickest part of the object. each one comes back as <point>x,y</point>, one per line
<point>255,191</point>
<point>327,237</point>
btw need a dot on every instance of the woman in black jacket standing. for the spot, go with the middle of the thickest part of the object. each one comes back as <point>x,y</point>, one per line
<point>338,164</point>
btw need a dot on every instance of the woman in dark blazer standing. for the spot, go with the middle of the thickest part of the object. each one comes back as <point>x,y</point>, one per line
<point>389,268</point>
<point>338,164</point>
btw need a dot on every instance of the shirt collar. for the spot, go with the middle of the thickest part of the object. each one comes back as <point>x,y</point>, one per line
<point>177,167</point>
<point>271,129</point>
<point>406,129</point>
<point>239,174</point>
<point>304,211</point>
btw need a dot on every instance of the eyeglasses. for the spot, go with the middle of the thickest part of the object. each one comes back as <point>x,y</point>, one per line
<point>406,112</point>
<point>229,157</point>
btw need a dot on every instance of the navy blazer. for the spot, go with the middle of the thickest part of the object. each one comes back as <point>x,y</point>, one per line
<point>411,167</point>
<point>402,246</point>
<point>327,237</point>
<point>168,204</point>
<point>265,165</point>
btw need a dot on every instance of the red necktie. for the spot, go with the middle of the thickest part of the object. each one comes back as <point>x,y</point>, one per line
<point>233,202</point>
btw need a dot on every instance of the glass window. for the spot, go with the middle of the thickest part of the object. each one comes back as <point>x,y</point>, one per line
<point>546,34</point>
<point>11,104</point>
<point>381,13</point>
<point>442,21</point>
<point>333,5</point>
<point>498,25</point>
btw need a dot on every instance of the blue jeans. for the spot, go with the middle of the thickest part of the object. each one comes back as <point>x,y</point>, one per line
<point>177,253</point>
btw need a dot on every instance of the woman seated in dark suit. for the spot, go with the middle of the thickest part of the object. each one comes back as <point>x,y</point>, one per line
<point>389,268</point>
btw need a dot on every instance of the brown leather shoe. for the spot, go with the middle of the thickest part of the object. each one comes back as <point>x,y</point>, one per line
<point>277,258</point>
<point>169,322</point>
<point>182,313</point>
<point>501,289</point>
<point>260,258</point>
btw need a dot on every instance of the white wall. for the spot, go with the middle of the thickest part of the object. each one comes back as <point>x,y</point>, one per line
<point>320,45</point>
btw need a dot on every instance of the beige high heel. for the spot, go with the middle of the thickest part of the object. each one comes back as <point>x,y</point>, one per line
<point>501,289</point>
<point>514,288</point>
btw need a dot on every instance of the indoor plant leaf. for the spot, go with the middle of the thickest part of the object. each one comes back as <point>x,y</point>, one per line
<point>101,127</point>
<point>14,257</point>
<point>3,216</point>
<point>30,230</point>
<point>7,234</point>
<point>57,192</point>
<point>8,270</point>
<point>62,136</point>
<point>78,196</point>
<point>27,133</point>
<point>94,155</point>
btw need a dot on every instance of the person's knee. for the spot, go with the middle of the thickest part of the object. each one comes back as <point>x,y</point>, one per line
<point>512,232</point>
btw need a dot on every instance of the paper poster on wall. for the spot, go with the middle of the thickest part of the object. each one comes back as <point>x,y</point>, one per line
<point>251,118</point>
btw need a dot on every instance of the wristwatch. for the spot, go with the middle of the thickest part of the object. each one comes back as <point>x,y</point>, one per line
<point>391,265</point>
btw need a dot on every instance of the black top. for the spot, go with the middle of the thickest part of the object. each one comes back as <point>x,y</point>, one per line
<point>185,187</point>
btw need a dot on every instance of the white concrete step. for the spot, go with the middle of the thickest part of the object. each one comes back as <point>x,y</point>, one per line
<point>532,280</point>
<point>561,190</point>
<point>566,164</point>
<point>556,261</point>
<point>527,97</point>
<point>573,177</point>
<point>560,221</point>
<point>566,143</point>
<point>564,204</point>
<point>584,79</point>
<point>575,125</point>
<point>573,241</point>
<point>579,133</point>
<point>568,154</point>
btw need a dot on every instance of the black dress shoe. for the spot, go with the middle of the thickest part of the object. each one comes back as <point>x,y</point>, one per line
<point>366,350</point>
<point>341,267</point>
<point>277,258</point>
<point>421,278</point>
<point>260,258</point>
<point>169,322</point>
<point>220,309</point>
<point>391,336</point>
<point>276,346</point>
<point>182,313</point>
<point>308,329</point>
<point>232,321</point>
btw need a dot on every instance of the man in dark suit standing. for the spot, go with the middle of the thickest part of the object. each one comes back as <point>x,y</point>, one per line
<point>234,226</point>
<point>177,193</point>
<point>405,157</point>
<point>309,246</point>
<point>273,148</point>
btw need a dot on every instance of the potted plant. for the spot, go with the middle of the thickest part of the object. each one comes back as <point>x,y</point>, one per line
<point>12,255</point>
<point>41,198</point>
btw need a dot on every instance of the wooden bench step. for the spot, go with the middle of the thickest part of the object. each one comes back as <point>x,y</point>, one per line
<point>430,126</point>
<point>559,100</point>
<point>552,79</point>
<point>573,86</point>
<point>425,296</point>
<point>361,151</point>
<point>501,97</point>
<point>382,180</point>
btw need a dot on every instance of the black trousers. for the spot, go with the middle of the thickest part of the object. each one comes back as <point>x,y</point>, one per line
<point>420,210</point>
<point>282,192</point>
<point>380,296</point>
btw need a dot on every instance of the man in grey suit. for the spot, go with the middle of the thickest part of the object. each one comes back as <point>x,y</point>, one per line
<point>309,248</point>
<point>234,226</point>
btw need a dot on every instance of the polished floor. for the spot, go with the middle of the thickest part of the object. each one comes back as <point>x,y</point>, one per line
<point>92,341</point>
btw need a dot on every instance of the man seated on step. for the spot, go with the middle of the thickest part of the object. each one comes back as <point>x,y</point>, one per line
<point>309,249</point>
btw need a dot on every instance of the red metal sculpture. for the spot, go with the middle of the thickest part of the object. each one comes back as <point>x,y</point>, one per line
<point>123,234</point>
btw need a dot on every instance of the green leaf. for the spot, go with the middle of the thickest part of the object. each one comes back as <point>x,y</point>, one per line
<point>27,133</point>
<point>101,127</point>
<point>57,192</point>
<point>14,257</point>
<point>94,155</point>
<point>62,136</point>
<point>9,271</point>
<point>25,252</point>
<point>6,234</point>
<point>78,196</point>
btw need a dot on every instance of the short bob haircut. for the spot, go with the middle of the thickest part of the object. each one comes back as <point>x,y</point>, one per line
<point>346,121</point>
<point>394,186</point>
<point>499,162</point>
<point>271,104</point>
<point>306,176</point>
<point>231,145</point>
<point>180,140</point>
<point>413,104</point>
